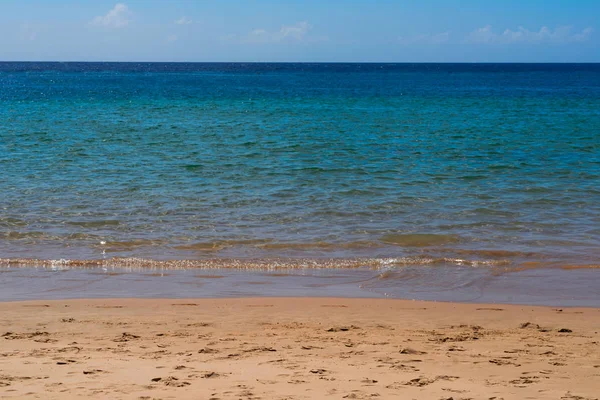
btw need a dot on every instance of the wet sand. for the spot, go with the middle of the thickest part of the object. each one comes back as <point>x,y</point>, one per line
<point>542,287</point>
<point>296,348</point>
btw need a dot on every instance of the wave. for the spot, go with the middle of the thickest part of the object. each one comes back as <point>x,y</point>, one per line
<point>125,245</point>
<point>95,224</point>
<point>418,239</point>
<point>497,253</point>
<point>39,235</point>
<point>408,240</point>
<point>319,245</point>
<point>258,264</point>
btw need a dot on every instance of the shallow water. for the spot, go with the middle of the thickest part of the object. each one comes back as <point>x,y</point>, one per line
<point>549,287</point>
<point>486,164</point>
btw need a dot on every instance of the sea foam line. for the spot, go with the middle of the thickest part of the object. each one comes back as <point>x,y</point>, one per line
<point>252,264</point>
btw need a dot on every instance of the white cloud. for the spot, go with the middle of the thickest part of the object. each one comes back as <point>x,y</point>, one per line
<point>118,17</point>
<point>296,33</point>
<point>436,38</point>
<point>559,35</point>
<point>183,21</point>
<point>258,32</point>
<point>172,38</point>
<point>583,35</point>
<point>482,35</point>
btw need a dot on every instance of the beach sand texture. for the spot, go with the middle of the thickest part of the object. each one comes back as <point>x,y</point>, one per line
<point>296,348</point>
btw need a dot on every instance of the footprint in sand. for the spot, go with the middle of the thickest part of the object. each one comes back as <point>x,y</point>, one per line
<point>210,374</point>
<point>569,396</point>
<point>94,372</point>
<point>503,362</point>
<point>342,328</point>
<point>408,350</point>
<point>66,362</point>
<point>259,349</point>
<point>15,336</point>
<point>126,337</point>
<point>199,325</point>
<point>422,381</point>
<point>207,350</point>
<point>523,381</point>
<point>171,381</point>
<point>296,381</point>
<point>266,381</point>
<point>310,347</point>
<point>318,371</point>
<point>45,340</point>
<point>357,394</point>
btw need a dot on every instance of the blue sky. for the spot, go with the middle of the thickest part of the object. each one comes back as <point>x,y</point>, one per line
<point>308,30</point>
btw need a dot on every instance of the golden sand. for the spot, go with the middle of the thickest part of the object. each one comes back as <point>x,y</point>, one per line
<point>296,348</point>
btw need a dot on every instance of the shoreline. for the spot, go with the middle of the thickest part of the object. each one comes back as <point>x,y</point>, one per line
<point>296,348</point>
<point>463,284</point>
<point>496,260</point>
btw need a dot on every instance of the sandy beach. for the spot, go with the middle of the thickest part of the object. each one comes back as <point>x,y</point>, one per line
<point>296,348</point>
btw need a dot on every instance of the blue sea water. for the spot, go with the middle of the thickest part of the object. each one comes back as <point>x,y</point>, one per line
<point>469,164</point>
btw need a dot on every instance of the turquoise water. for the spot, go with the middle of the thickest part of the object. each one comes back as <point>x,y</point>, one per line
<point>472,164</point>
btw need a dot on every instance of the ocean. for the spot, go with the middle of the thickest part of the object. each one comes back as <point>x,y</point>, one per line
<point>491,166</point>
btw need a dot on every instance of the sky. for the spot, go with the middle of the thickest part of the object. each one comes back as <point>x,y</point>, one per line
<point>301,31</point>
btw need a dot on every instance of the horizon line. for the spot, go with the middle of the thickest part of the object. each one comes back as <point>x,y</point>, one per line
<point>304,62</point>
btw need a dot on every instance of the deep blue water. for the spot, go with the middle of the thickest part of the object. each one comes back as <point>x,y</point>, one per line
<point>453,163</point>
